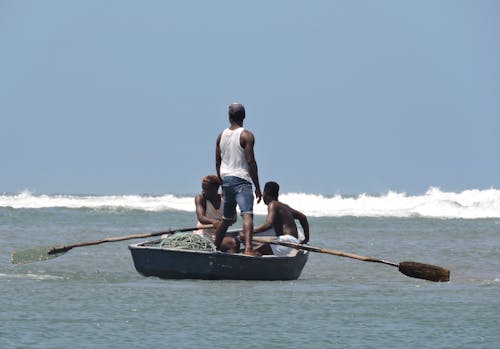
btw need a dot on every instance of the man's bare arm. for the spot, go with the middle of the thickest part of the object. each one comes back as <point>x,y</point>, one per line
<point>218,156</point>
<point>201,212</point>
<point>247,141</point>
<point>272,215</point>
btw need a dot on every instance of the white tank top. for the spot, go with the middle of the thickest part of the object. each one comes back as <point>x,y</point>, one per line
<point>234,162</point>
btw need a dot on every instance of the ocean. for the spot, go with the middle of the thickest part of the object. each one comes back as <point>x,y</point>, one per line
<point>92,297</point>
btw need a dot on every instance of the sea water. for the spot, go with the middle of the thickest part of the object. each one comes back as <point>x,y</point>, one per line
<point>92,297</point>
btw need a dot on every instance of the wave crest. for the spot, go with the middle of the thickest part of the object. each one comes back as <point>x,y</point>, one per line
<point>468,204</point>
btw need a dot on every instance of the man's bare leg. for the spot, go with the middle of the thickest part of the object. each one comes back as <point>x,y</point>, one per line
<point>220,232</point>
<point>248,233</point>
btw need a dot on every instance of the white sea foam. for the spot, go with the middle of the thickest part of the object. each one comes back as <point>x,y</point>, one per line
<point>132,202</point>
<point>468,204</point>
<point>31,276</point>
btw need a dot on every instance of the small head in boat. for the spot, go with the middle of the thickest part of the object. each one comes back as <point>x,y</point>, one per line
<point>271,192</point>
<point>210,185</point>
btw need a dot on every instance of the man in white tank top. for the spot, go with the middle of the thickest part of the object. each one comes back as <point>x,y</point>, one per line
<point>236,166</point>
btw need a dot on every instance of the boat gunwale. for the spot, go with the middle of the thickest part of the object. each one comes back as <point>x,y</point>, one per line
<point>141,245</point>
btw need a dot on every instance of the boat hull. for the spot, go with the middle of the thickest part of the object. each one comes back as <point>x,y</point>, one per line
<point>168,263</point>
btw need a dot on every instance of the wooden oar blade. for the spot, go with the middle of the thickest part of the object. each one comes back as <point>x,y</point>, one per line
<point>36,254</point>
<point>425,271</point>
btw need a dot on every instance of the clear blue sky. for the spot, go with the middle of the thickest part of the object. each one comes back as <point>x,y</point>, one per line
<point>342,96</point>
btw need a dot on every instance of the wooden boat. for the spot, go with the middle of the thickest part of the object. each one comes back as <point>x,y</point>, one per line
<point>171,263</point>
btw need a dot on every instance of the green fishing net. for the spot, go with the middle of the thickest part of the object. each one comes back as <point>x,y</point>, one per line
<point>187,241</point>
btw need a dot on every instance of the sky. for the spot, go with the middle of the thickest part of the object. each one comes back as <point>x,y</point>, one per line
<point>343,97</point>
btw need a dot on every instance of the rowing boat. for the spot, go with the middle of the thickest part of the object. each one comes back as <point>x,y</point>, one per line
<point>173,263</point>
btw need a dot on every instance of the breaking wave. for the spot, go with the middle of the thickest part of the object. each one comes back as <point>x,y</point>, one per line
<point>468,204</point>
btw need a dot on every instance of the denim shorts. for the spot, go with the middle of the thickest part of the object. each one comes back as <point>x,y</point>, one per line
<point>237,191</point>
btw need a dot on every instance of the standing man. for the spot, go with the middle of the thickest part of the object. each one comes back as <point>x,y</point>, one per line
<point>236,166</point>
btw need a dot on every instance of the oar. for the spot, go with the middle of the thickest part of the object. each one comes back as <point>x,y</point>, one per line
<point>413,269</point>
<point>37,254</point>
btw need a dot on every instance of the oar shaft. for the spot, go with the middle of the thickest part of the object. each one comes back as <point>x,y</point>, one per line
<point>48,252</point>
<point>323,250</point>
<point>56,249</point>
<point>356,256</point>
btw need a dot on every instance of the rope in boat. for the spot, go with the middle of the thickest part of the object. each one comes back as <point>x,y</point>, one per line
<point>187,241</point>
